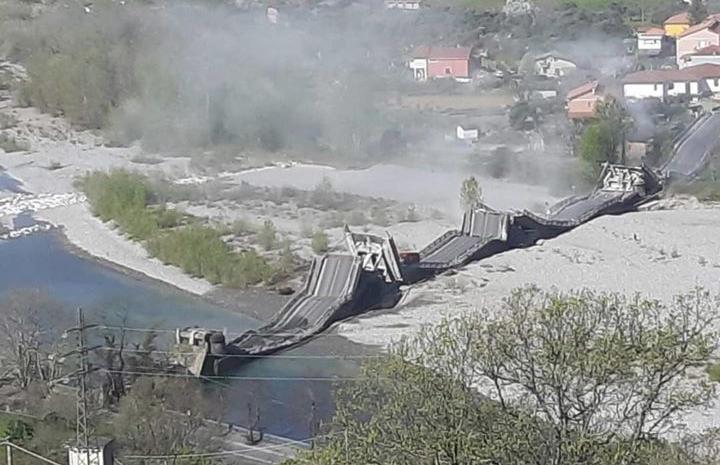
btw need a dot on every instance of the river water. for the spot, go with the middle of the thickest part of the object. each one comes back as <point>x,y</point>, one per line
<point>43,262</point>
<point>8,183</point>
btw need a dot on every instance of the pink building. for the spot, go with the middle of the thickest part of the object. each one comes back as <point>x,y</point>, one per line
<point>582,101</point>
<point>698,37</point>
<point>440,62</point>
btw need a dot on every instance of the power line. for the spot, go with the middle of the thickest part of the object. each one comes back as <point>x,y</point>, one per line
<point>249,448</point>
<point>28,452</point>
<point>174,331</point>
<point>320,357</point>
<point>230,378</point>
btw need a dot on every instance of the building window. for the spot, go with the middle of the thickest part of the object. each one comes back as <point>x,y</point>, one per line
<point>716,82</point>
<point>671,86</point>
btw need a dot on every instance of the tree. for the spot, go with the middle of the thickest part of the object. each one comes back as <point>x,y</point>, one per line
<point>320,242</point>
<point>164,416</point>
<point>596,147</point>
<point>324,195</point>
<point>698,12</point>
<point>30,340</point>
<point>553,378</point>
<point>522,115</point>
<point>267,236</point>
<point>612,113</point>
<point>470,193</point>
<point>120,354</point>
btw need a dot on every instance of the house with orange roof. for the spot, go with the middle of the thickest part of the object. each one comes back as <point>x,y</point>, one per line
<point>650,40</point>
<point>697,37</point>
<point>581,102</point>
<point>677,24</point>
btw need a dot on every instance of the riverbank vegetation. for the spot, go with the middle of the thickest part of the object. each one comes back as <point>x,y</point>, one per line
<point>128,200</point>
<point>551,378</point>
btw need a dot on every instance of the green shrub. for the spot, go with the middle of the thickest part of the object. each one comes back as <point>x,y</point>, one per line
<point>324,195</point>
<point>334,220</point>
<point>124,197</point>
<point>320,244</point>
<point>116,194</point>
<point>357,218</point>
<point>267,236</point>
<point>379,217</point>
<point>248,268</point>
<point>713,372</point>
<point>198,250</point>
<point>411,215</point>
<point>306,229</point>
<point>10,143</point>
<point>287,259</point>
<point>168,218</point>
<point>243,227</point>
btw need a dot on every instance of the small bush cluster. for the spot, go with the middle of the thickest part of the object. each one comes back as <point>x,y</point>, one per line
<point>124,197</point>
<point>10,143</point>
<point>201,252</point>
<point>127,199</point>
<point>320,243</point>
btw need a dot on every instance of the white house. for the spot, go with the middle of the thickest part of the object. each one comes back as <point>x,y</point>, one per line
<point>553,65</point>
<point>665,83</point>
<point>403,5</point>
<point>650,41</point>
<point>709,55</point>
<point>697,37</point>
<point>470,134</point>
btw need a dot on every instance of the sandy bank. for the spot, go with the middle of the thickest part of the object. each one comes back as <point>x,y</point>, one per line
<point>57,157</point>
<point>96,238</point>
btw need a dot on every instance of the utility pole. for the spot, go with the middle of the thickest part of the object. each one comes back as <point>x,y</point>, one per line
<point>81,427</point>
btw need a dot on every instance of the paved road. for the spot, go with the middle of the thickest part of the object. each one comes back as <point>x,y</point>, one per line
<point>334,279</point>
<point>692,153</point>
<point>580,210</point>
<point>452,249</point>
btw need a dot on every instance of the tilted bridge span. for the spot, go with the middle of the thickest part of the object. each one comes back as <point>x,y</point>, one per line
<point>370,274</point>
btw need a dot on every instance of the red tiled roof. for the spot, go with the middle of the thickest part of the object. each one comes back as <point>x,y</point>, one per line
<point>703,71</point>
<point>692,73</point>
<point>679,18</point>
<point>581,114</point>
<point>582,90</point>
<point>712,22</point>
<point>709,50</point>
<point>442,53</point>
<point>651,31</point>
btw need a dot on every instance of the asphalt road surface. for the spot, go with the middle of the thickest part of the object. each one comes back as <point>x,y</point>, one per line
<point>692,153</point>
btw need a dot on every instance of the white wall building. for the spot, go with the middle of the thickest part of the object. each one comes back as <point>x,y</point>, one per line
<point>552,65</point>
<point>403,5</point>
<point>650,42</point>
<point>709,55</point>
<point>470,134</point>
<point>666,83</point>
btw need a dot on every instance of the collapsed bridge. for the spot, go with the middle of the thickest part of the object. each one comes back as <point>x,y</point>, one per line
<point>369,276</point>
